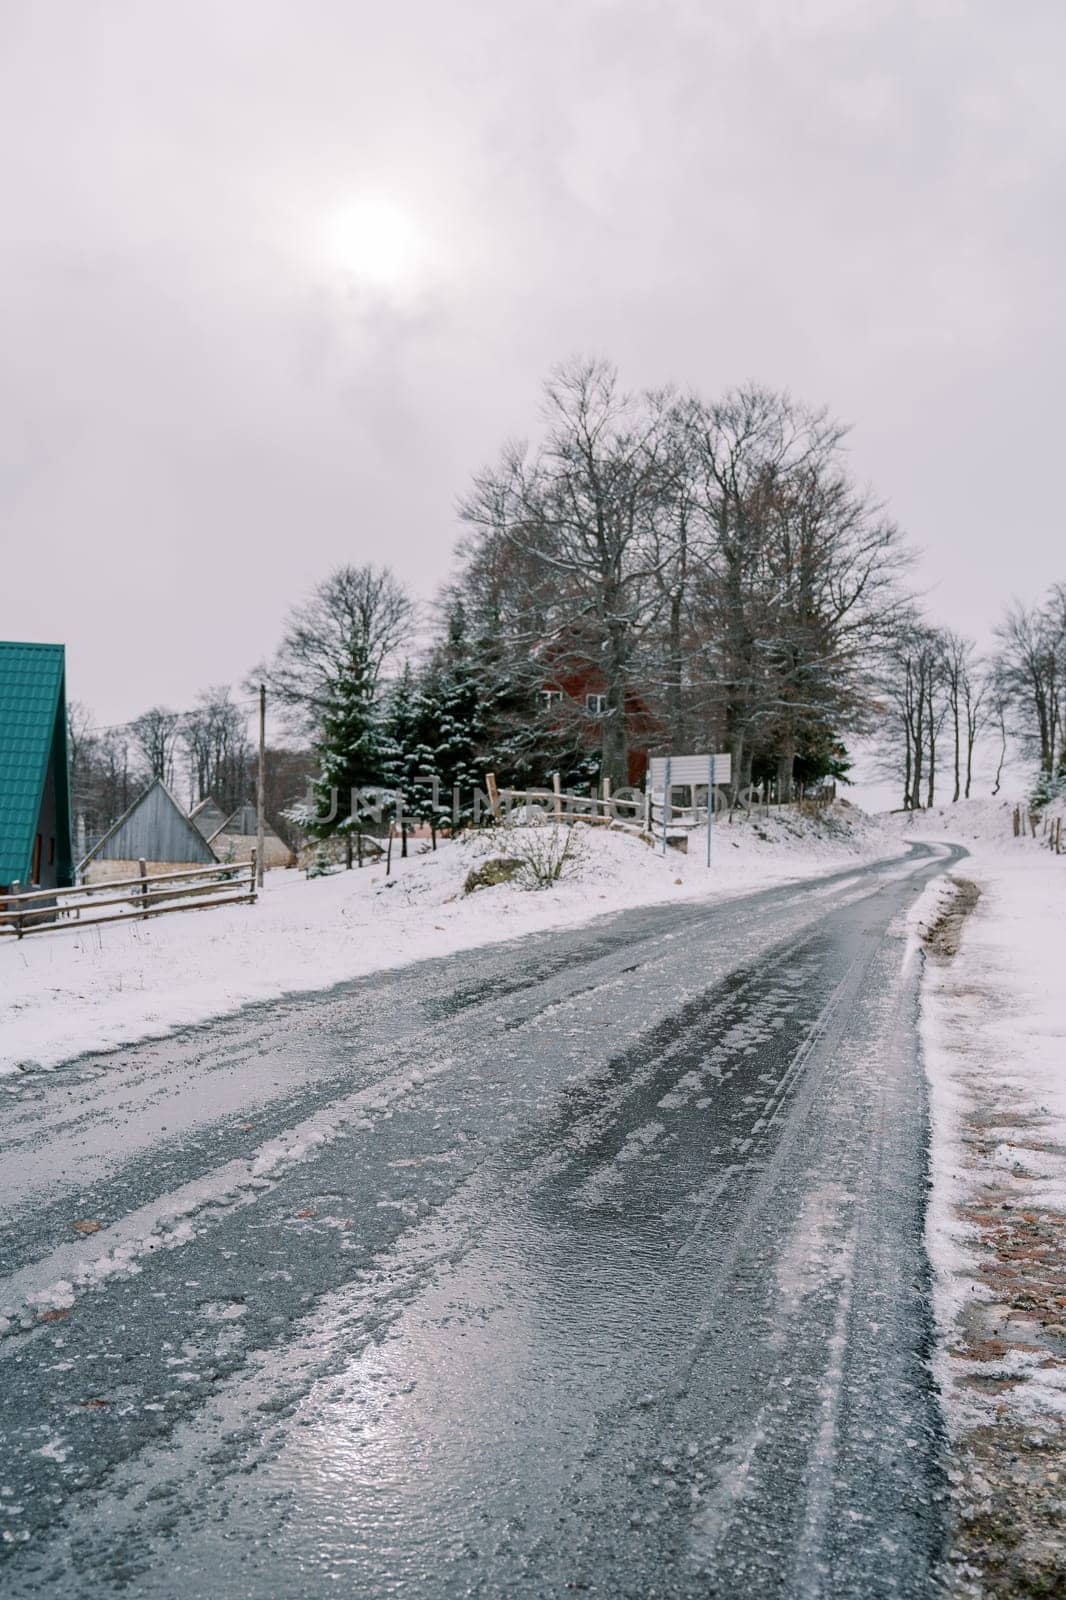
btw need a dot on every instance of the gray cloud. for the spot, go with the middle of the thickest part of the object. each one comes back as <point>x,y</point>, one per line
<point>203,408</point>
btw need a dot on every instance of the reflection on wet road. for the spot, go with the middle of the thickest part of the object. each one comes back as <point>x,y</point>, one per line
<point>591,1264</point>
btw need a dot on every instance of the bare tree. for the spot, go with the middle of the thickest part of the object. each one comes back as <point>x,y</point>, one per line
<point>1030,670</point>
<point>106,772</point>
<point>711,563</point>
<point>581,511</point>
<point>156,734</point>
<point>966,689</point>
<point>798,571</point>
<point>217,748</point>
<point>81,743</point>
<point>913,683</point>
<point>354,622</point>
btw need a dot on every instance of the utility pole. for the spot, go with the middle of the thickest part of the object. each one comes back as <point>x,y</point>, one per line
<point>260,787</point>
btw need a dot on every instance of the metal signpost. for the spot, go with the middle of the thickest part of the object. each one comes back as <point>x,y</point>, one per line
<point>668,770</point>
<point>710,803</point>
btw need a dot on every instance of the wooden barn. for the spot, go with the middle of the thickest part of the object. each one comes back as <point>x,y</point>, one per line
<point>156,830</point>
<point>35,836</point>
<point>237,838</point>
<point>208,816</point>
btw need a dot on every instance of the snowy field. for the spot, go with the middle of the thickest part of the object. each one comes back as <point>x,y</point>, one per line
<point>994,1029</point>
<point>66,992</point>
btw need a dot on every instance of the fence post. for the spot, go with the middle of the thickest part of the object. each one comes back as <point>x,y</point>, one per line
<point>253,873</point>
<point>143,870</point>
<point>16,890</point>
<point>494,794</point>
<point>557,786</point>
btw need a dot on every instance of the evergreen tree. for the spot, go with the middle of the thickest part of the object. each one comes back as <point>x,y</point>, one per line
<point>447,733</point>
<point>352,753</point>
<point>407,757</point>
<point>457,747</point>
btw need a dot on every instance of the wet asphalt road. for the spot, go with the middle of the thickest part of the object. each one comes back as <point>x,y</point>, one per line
<point>590,1264</point>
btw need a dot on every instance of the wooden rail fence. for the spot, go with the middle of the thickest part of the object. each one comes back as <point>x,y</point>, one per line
<point>187,889</point>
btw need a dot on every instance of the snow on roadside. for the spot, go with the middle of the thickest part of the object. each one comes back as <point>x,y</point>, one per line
<point>69,991</point>
<point>994,1036</point>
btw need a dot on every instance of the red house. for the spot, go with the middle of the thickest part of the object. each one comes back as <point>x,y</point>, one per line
<point>580,693</point>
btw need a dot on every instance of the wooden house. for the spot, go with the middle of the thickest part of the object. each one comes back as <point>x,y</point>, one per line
<point>35,836</point>
<point>575,695</point>
<point>238,837</point>
<point>155,830</point>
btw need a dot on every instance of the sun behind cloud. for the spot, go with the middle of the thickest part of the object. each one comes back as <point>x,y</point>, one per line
<point>376,243</point>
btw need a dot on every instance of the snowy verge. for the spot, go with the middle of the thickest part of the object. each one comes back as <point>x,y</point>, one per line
<point>994,1040</point>
<point>69,991</point>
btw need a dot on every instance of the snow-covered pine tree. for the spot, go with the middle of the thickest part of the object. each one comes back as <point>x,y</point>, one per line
<point>457,753</point>
<point>449,726</point>
<point>352,752</point>
<point>406,755</point>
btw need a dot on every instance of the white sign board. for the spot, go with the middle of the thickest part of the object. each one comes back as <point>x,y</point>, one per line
<point>688,769</point>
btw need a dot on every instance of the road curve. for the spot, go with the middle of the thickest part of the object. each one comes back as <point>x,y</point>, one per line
<point>586,1264</point>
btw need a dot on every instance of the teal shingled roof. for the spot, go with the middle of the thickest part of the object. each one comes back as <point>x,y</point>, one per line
<point>31,683</point>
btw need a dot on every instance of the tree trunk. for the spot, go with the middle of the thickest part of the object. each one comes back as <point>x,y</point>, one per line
<point>614,760</point>
<point>970,740</point>
<point>676,669</point>
<point>919,753</point>
<point>786,761</point>
<point>955,713</point>
<point>1002,758</point>
<point>736,752</point>
<point>932,753</point>
<point>745,772</point>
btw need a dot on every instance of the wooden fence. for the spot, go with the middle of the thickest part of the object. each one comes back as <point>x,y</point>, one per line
<point>1051,829</point>
<point>568,807</point>
<point>187,889</point>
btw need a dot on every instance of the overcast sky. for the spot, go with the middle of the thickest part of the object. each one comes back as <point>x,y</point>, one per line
<point>278,277</point>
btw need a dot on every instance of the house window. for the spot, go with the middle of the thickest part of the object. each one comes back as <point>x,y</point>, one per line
<point>551,697</point>
<point>596,703</point>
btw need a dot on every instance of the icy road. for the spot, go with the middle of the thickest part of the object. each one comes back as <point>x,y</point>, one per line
<point>590,1264</point>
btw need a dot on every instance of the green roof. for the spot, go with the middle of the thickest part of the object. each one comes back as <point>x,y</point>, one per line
<point>31,715</point>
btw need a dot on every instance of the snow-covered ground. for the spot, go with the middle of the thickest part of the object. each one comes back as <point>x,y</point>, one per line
<point>67,991</point>
<point>994,1028</point>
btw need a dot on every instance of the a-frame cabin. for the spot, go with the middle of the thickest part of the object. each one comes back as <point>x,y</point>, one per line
<point>155,830</point>
<point>35,837</point>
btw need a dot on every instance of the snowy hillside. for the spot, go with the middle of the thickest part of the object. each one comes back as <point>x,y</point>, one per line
<point>69,991</point>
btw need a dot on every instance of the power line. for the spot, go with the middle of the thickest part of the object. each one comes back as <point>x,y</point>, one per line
<point>179,716</point>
